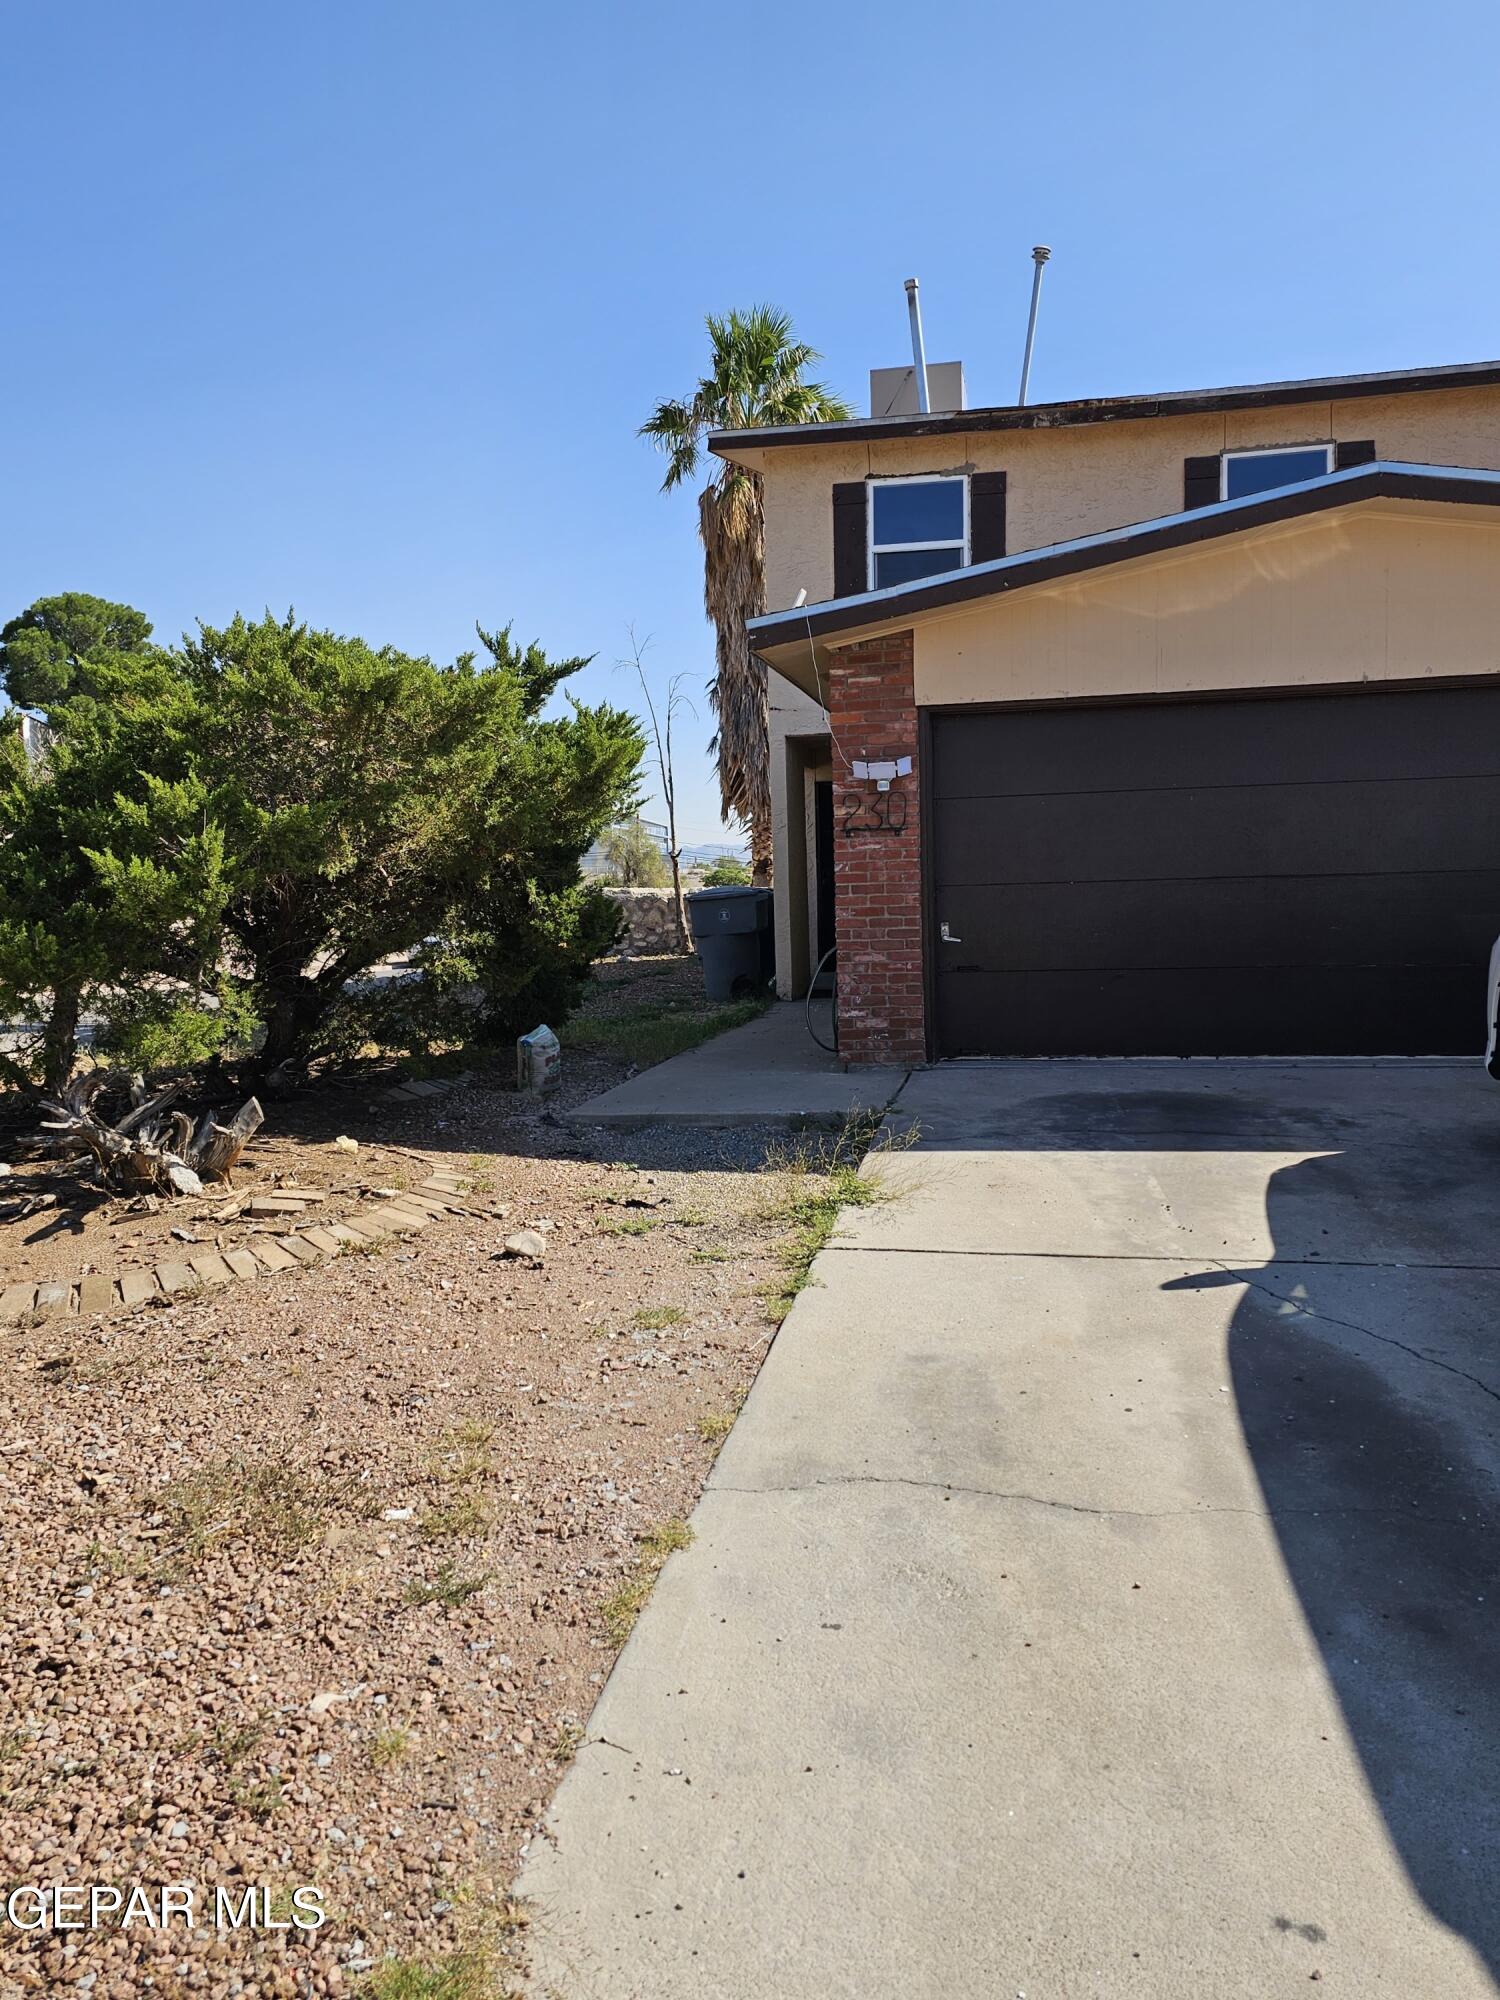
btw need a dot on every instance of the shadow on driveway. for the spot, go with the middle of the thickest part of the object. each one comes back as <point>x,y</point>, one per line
<point>1370,1405</point>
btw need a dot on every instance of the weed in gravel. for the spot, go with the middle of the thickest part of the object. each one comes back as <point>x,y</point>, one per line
<point>373,1246</point>
<point>691,1218</point>
<point>276,1508</point>
<point>567,1743</point>
<point>464,1514</point>
<point>232,1743</point>
<point>466,1975</point>
<point>447,1587</point>
<point>634,1225</point>
<point>117,1563</point>
<point>716,1426</point>
<point>463,1454</point>
<point>818,1179</point>
<point>388,1747</point>
<point>624,1605</point>
<point>709,1256</point>
<point>463,1465</point>
<point>262,1800</point>
<point>480,1969</point>
<point>655,1319</point>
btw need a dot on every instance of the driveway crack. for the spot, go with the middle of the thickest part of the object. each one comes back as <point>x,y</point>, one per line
<point>1069,1506</point>
<point>1353,1326</point>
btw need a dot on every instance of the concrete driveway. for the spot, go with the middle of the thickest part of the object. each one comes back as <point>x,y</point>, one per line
<point>1097,1595</point>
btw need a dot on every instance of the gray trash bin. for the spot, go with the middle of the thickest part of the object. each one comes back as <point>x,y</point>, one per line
<point>731,931</point>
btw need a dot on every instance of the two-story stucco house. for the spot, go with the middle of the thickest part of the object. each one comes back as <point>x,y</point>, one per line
<point>1180,713</point>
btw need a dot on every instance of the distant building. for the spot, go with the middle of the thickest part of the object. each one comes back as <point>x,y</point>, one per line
<point>594,863</point>
<point>35,737</point>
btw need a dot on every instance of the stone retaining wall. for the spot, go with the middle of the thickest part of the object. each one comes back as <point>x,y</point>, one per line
<point>650,925</point>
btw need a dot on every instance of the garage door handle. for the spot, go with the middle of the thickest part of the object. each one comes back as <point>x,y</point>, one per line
<point>947,936</point>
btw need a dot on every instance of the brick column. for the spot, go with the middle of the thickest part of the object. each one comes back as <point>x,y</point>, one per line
<point>877,854</point>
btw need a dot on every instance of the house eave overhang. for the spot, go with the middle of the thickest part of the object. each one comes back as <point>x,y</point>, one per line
<point>749,445</point>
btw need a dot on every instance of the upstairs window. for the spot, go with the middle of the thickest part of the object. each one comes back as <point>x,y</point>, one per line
<point>918,527</point>
<point>1246,472</point>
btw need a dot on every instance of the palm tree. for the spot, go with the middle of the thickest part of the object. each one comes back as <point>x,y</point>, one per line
<point>755,378</point>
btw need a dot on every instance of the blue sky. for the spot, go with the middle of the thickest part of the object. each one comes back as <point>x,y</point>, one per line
<point>356,305</point>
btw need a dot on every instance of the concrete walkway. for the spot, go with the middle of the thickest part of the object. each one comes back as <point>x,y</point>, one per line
<point>1097,1595</point>
<point>771,1070</point>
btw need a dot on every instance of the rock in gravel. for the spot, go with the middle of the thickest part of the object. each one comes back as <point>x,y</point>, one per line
<point>346,1144</point>
<point>326,1697</point>
<point>526,1243</point>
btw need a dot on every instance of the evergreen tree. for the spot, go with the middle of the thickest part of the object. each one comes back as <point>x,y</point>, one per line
<point>112,872</point>
<point>258,818</point>
<point>375,803</point>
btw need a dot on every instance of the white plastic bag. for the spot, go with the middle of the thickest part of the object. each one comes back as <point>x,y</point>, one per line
<point>538,1062</point>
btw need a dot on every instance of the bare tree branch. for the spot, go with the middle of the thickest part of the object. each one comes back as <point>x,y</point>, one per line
<point>661,734</point>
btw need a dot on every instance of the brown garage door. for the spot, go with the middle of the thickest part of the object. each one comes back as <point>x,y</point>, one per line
<point>1306,875</point>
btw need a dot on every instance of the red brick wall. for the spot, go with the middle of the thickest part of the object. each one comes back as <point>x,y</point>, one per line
<point>877,872</point>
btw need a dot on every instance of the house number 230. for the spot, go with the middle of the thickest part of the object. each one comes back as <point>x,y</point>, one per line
<point>874,812</point>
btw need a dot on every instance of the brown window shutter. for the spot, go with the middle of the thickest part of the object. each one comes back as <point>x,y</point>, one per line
<point>1200,481</point>
<point>850,538</point>
<point>986,516</point>
<point>1360,453</point>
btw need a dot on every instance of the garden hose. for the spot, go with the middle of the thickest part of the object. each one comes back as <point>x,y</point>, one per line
<point>833,1046</point>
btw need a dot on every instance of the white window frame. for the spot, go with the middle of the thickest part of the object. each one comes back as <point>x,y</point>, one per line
<point>1325,445</point>
<point>902,548</point>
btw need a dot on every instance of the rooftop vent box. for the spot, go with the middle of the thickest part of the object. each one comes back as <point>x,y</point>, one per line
<point>893,391</point>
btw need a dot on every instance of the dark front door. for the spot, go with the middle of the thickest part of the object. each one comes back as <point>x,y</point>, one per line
<point>1269,875</point>
<point>823,876</point>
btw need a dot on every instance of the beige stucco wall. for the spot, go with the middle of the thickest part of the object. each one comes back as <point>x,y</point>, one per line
<point>799,730</point>
<point>1381,591</point>
<point>1082,479</point>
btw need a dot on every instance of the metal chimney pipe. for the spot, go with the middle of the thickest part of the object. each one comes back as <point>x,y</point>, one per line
<point>918,352</point>
<point>1039,256</point>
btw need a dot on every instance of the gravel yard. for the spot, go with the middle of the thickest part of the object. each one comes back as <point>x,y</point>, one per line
<point>314,1580</point>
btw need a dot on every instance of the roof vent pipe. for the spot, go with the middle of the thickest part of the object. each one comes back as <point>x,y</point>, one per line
<point>1039,256</point>
<point>918,352</point>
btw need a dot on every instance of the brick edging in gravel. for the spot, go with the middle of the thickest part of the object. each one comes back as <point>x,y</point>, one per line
<point>97,1292</point>
<point>433,1086</point>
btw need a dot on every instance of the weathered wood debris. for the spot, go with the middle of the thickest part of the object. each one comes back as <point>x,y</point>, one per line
<point>151,1148</point>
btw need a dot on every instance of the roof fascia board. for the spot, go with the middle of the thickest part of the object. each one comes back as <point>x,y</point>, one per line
<point>1112,409</point>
